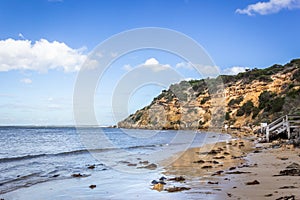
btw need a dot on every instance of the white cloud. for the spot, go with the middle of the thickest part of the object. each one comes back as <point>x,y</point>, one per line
<point>40,56</point>
<point>151,63</point>
<point>269,7</point>
<point>26,80</point>
<point>234,70</point>
<point>185,65</point>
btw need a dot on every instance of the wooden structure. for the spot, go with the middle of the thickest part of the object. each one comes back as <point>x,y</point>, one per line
<point>288,124</point>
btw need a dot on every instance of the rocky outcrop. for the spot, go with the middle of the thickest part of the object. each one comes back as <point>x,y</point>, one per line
<point>249,98</point>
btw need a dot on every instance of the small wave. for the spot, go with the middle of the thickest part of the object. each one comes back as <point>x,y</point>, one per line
<point>21,157</point>
<point>79,151</point>
<point>19,178</point>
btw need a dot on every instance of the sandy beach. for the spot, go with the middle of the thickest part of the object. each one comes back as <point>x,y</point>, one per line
<point>241,169</point>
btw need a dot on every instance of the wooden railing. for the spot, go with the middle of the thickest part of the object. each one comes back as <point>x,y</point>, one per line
<point>283,124</point>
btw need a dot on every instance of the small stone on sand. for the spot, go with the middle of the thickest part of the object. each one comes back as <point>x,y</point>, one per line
<point>92,186</point>
<point>177,189</point>
<point>91,167</point>
<point>178,178</point>
<point>255,182</point>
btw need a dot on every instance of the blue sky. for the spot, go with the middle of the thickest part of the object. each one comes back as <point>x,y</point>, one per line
<point>43,44</point>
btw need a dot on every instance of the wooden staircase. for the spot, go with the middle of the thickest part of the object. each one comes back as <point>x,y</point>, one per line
<point>289,124</point>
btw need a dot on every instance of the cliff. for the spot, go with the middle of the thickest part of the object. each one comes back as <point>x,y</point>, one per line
<point>245,99</point>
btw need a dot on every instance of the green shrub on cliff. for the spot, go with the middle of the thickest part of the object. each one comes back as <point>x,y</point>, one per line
<point>236,101</point>
<point>246,108</point>
<point>270,102</point>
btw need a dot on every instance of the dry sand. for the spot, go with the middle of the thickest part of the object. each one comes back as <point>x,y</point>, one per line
<point>223,170</point>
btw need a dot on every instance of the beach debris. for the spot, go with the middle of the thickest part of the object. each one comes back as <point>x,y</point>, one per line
<point>92,186</point>
<point>146,162</point>
<point>55,175</point>
<point>177,189</point>
<point>213,152</point>
<point>78,175</point>
<point>124,162</point>
<point>292,197</point>
<point>232,168</point>
<point>268,195</point>
<point>151,166</point>
<point>288,187</point>
<point>238,172</point>
<point>283,158</point>
<point>219,157</point>
<point>159,186</point>
<point>178,179</point>
<point>293,166</point>
<point>199,161</point>
<point>213,161</point>
<point>291,170</point>
<point>236,157</point>
<point>256,151</point>
<point>91,167</point>
<point>241,145</point>
<point>217,173</point>
<point>154,182</point>
<point>246,165</point>
<point>255,182</point>
<point>229,195</point>
<point>131,164</point>
<point>206,167</point>
<point>212,183</point>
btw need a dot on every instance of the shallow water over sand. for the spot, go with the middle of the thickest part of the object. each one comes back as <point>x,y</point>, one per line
<point>38,162</point>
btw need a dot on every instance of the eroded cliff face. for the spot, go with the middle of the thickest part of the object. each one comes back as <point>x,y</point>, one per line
<point>249,98</point>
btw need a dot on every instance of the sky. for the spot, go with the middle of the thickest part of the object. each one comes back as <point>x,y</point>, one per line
<point>45,43</point>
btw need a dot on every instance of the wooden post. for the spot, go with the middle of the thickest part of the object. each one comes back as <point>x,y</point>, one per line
<point>288,127</point>
<point>267,133</point>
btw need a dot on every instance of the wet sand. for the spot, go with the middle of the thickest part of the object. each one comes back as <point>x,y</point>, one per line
<point>267,166</point>
<point>240,169</point>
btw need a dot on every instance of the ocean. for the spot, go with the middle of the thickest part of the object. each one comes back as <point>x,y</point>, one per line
<point>31,156</point>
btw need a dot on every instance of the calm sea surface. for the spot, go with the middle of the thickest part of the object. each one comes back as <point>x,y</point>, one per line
<point>32,155</point>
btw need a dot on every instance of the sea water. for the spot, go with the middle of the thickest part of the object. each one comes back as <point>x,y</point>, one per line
<point>30,156</point>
